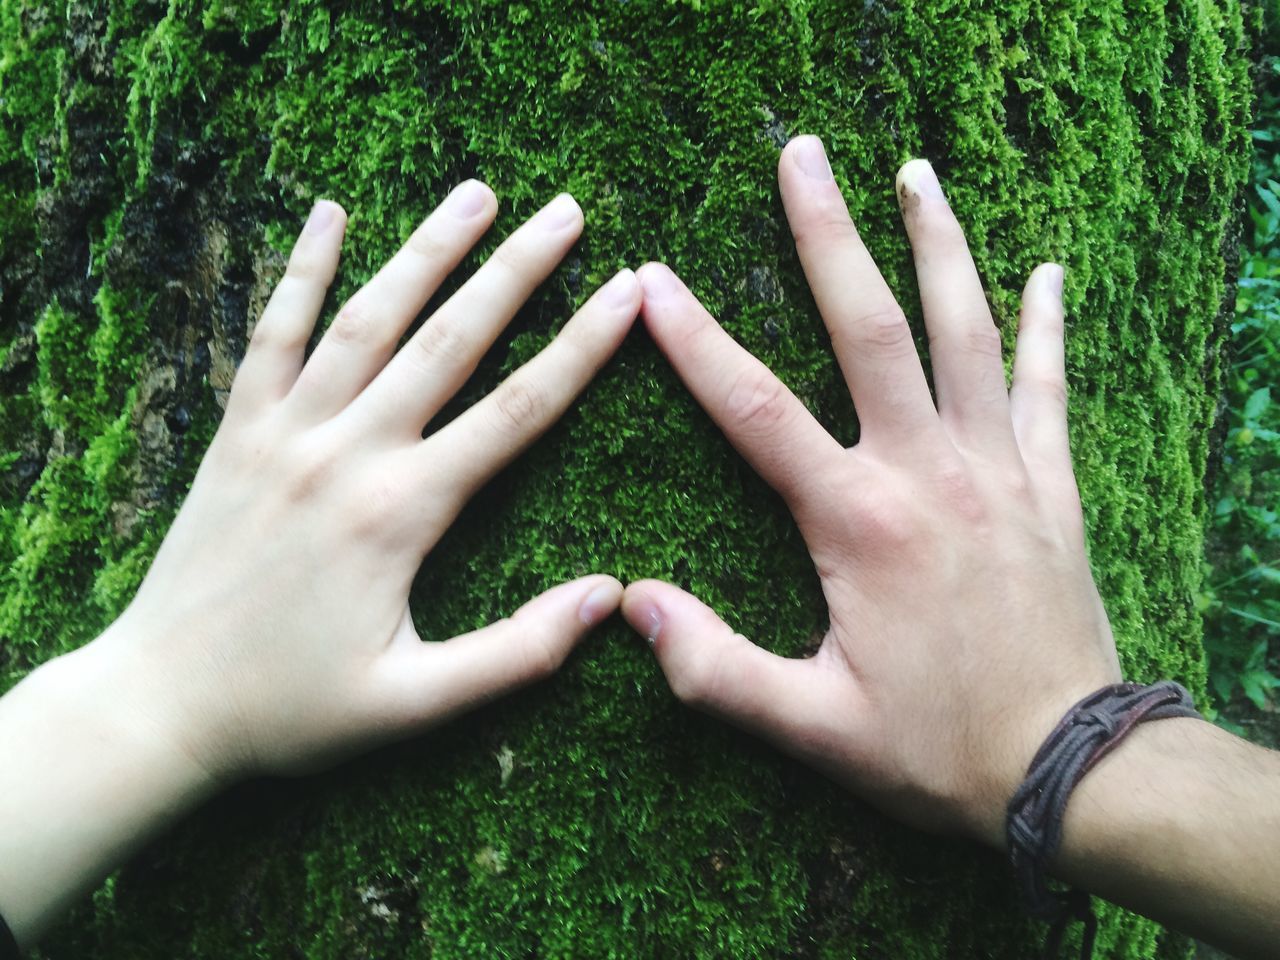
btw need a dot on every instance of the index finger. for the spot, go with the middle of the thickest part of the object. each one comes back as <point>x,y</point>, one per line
<point>760,416</point>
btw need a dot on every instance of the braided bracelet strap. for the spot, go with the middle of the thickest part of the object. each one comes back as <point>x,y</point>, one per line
<point>1033,825</point>
<point>8,945</point>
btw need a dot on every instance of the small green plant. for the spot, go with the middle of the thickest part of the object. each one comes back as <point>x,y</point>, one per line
<point>1242,598</point>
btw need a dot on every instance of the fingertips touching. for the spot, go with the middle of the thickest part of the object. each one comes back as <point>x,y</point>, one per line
<point>661,287</point>
<point>714,669</point>
<point>621,293</point>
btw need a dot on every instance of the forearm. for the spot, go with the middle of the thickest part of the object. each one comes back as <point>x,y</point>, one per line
<point>1182,823</point>
<point>88,774</point>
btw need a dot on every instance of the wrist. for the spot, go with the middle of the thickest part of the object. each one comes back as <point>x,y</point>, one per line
<point>92,769</point>
<point>1009,760</point>
<point>154,703</point>
<point>101,694</point>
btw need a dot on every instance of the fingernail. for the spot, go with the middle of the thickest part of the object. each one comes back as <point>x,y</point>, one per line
<point>467,199</point>
<point>619,291</point>
<point>811,158</point>
<point>918,177</point>
<point>600,602</point>
<point>321,216</point>
<point>645,618</point>
<point>1053,280</point>
<point>658,281</point>
<point>653,621</point>
<point>559,213</point>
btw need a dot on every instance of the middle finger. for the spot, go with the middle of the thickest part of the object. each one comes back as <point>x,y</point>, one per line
<point>868,329</point>
<point>444,352</point>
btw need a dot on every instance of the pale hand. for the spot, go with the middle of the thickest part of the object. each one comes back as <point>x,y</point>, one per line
<point>275,615</point>
<point>272,634</point>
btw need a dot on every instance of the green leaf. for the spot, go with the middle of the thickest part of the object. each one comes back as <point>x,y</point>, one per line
<point>1254,689</point>
<point>1257,403</point>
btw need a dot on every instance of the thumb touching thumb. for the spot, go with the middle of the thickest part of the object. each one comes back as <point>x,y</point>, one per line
<point>713,669</point>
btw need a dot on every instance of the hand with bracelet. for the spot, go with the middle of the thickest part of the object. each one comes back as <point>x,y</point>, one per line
<point>272,633</point>
<point>964,621</point>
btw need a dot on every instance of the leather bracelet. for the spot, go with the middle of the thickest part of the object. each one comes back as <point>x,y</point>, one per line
<point>8,944</point>
<point>1033,822</point>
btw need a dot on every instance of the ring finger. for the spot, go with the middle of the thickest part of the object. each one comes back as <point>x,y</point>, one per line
<point>444,352</point>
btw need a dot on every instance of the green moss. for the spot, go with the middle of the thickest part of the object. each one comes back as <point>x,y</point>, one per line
<point>156,158</point>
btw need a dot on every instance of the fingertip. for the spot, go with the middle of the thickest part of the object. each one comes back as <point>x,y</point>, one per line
<point>561,213</point>
<point>917,182</point>
<point>623,290</point>
<point>1054,275</point>
<point>603,596</point>
<point>325,216</point>
<point>807,155</point>
<point>1044,287</point>
<point>659,282</point>
<point>471,198</point>
<point>641,610</point>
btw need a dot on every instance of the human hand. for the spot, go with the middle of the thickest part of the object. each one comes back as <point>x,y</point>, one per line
<point>949,541</point>
<point>272,634</point>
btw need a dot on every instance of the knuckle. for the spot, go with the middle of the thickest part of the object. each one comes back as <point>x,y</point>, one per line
<point>884,522</point>
<point>959,493</point>
<point>510,259</point>
<point>426,244</point>
<point>354,325</point>
<point>1055,319</point>
<point>1052,390</point>
<point>976,337</point>
<point>1017,486</point>
<point>237,453</point>
<point>697,683</point>
<point>262,337</point>
<point>542,656</point>
<point>519,405</point>
<point>581,341</point>
<point>883,329</point>
<point>699,336</point>
<point>825,228</point>
<point>982,339</point>
<point>377,510</point>
<point>303,268</point>
<point>757,400</point>
<point>440,343</point>
<point>312,473</point>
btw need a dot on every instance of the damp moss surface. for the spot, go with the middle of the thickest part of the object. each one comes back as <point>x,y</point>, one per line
<point>156,160</point>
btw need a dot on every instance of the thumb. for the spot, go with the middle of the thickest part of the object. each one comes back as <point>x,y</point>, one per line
<point>435,680</point>
<point>713,669</point>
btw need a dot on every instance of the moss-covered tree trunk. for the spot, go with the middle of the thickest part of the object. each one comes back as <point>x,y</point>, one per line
<point>155,161</point>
